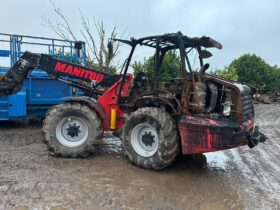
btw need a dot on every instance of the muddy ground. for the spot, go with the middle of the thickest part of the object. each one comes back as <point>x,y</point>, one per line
<point>234,179</point>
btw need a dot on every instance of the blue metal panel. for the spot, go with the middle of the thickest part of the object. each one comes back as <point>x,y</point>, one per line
<point>3,70</point>
<point>5,53</point>
<point>4,115</point>
<point>47,91</point>
<point>4,108</point>
<point>39,92</point>
<point>37,110</point>
<point>17,104</point>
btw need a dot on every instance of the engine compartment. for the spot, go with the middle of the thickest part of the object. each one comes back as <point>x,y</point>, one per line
<point>203,95</point>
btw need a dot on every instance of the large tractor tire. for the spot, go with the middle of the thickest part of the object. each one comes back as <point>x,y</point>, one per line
<point>71,130</point>
<point>150,138</point>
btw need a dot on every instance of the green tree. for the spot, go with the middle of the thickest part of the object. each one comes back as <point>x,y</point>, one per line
<point>170,68</point>
<point>229,73</point>
<point>138,67</point>
<point>59,54</point>
<point>274,78</point>
<point>254,70</point>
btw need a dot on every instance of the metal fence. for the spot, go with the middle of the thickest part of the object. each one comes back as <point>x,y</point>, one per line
<point>12,46</point>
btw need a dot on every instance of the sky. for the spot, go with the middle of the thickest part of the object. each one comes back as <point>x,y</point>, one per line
<point>242,26</point>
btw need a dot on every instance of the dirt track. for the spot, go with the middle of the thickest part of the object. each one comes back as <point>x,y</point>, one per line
<point>234,179</point>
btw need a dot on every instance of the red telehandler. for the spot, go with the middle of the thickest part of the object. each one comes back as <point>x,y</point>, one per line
<point>156,118</point>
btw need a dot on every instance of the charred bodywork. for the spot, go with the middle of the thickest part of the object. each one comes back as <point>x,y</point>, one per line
<point>211,113</point>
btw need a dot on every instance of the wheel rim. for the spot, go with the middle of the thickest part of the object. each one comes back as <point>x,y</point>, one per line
<point>72,132</point>
<point>144,140</point>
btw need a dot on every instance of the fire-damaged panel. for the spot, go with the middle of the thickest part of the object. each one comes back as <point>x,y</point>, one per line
<point>199,135</point>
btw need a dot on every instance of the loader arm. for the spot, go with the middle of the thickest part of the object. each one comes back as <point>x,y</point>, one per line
<point>11,82</point>
<point>75,75</point>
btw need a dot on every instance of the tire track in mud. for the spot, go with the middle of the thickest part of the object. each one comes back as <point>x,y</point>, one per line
<point>260,166</point>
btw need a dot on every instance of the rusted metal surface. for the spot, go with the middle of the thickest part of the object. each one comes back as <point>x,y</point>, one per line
<point>164,97</point>
<point>241,97</point>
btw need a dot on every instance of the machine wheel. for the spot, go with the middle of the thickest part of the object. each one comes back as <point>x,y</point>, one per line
<point>71,129</point>
<point>150,138</point>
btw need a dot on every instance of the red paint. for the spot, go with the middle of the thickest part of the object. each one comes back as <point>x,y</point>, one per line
<point>250,124</point>
<point>109,100</point>
<point>208,138</point>
<point>212,122</point>
<point>78,72</point>
<point>200,135</point>
<point>60,67</point>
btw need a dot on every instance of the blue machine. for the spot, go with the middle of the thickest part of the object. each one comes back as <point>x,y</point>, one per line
<point>39,92</point>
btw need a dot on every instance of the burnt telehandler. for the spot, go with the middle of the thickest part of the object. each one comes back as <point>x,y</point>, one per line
<point>156,118</point>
